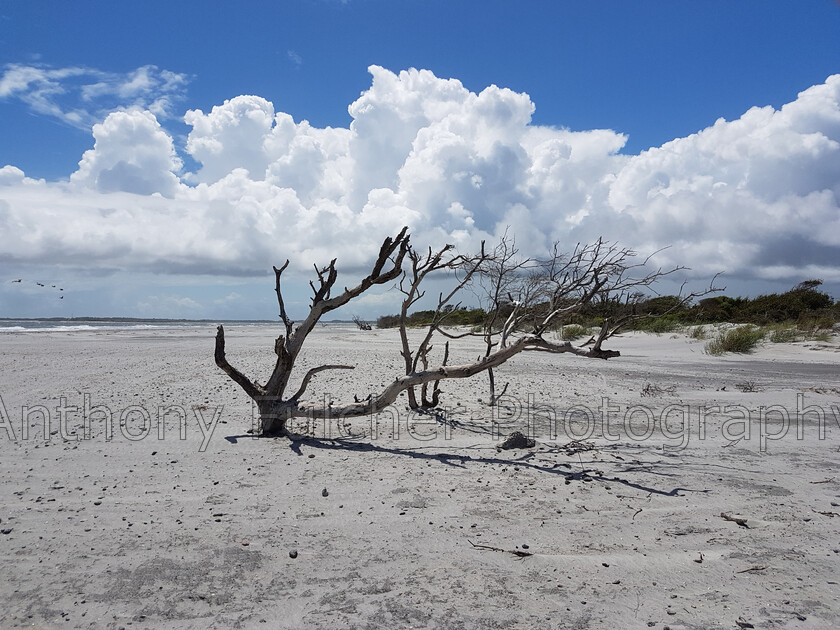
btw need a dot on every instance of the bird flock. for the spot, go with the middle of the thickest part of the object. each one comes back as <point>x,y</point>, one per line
<point>42,285</point>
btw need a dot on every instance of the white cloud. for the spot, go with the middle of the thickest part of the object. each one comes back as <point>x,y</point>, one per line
<point>230,298</point>
<point>762,186</point>
<point>231,136</point>
<point>132,153</point>
<point>294,57</point>
<point>82,96</point>
<point>172,306</point>
<point>757,196</point>
<point>12,175</point>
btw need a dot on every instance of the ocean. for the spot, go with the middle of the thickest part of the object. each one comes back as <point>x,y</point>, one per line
<point>93,324</point>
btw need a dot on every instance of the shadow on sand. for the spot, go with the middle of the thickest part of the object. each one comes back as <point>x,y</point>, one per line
<point>430,454</point>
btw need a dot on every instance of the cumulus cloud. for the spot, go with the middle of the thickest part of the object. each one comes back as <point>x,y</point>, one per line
<point>132,153</point>
<point>11,175</point>
<point>759,187</point>
<point>231,136</point>
<point>756,197</point>
<point>82,96</point>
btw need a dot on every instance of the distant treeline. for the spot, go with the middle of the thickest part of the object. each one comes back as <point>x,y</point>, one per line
<point>804,305</point>
<point>454,317</point>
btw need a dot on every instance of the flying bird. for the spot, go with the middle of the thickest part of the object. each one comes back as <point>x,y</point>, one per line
<point>41,284</point>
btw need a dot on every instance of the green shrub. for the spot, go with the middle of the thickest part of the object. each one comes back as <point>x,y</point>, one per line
<point>783,335</point>
<point>741,340</point>
<point>664,324</point>
<point>451,317</point>
<point>388,321</point>
<point>804,302</point>
<point>698,332</point>
<point>572,332</point>
<point>815,321</point>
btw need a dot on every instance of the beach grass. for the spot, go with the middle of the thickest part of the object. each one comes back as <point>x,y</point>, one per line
<point>739,340</point>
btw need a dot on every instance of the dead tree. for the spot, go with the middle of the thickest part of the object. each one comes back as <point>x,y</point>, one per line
<point>410,286</point>
<point>361,324</point>
<point>566,285</point>
<point>498,279</point>
<point>533,296</point>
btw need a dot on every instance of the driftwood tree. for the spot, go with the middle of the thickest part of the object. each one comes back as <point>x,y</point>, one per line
<point>500,278</point>
<point>421,267</point>
<point>533,295</point>
<point>551,290</point>
<point>361,324</point>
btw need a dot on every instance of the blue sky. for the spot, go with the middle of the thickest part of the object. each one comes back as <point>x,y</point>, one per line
<point>647,73</point>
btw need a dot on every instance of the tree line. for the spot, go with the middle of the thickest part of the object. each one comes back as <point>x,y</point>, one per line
<point>804,306</point>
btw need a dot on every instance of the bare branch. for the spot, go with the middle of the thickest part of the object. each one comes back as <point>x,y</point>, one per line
<point>472,266</point>
<point>434,401</point>
<point>305,382</point>
<point>251,388</point>
<point>494,398</point>
<point>288,323</point>
<point>387,397</point>
<point>611,327</point>
<point>454,336</point>
<point>324,303</point>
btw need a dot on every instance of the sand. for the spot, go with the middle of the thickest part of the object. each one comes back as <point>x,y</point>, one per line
<point>599,525</point>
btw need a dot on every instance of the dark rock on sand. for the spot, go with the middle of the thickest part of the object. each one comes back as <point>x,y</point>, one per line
<point>517,440</point>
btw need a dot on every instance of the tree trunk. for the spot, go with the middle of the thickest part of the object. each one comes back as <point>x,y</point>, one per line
<point>274,414</point>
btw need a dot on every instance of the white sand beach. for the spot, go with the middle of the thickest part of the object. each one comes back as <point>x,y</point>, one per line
<point>620,516</point>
